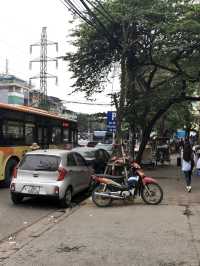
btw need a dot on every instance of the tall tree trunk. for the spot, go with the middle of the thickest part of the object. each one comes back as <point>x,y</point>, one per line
<point>132,140</point>
<point>121,102</point>
<point>145,138</point>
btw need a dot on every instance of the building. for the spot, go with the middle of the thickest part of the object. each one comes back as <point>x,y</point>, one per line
<point>13,90</point>
<point>17,91</point>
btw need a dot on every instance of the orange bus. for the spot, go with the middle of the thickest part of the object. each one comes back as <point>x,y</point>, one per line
<point>20,126</point>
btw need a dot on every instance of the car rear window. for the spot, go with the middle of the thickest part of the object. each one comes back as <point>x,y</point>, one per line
<point>38,162</point>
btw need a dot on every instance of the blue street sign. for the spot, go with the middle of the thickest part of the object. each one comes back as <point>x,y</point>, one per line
<point>180,134</point>
<point>111,121</point>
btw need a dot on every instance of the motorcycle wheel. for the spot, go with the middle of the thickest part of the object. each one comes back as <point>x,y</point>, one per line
<point>101,201</point>
<point>152,194</point>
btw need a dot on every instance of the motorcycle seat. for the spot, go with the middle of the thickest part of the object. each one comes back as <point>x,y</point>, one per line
<point>117,178</point>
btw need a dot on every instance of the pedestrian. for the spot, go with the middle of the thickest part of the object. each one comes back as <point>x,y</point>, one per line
<point>187,164</point>
<point>198,164</point>
<point>34,146</point>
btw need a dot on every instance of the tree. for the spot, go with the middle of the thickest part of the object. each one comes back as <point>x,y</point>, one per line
<point>91,122</point>
<point>157,45</point>
<point>180,116</point>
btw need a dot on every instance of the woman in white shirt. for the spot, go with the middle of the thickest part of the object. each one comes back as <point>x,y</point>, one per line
<point>198,164</point>
<point>187,164</point>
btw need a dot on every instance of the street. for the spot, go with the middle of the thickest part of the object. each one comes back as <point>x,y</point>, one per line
<point>89,92</point>
<point>14,218</point>
<point>128,233</point>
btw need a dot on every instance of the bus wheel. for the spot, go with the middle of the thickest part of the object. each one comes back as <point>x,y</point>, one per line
<point>8,172</point>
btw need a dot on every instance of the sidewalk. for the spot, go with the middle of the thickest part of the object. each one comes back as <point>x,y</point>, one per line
<point>132,234</point>
<point>172,181</point>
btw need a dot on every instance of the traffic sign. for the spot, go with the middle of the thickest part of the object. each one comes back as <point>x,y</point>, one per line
<point>111,121</point>
<point>180,134</point>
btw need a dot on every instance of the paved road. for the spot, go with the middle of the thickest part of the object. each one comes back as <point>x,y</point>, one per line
<point>17,217</point>
<point>131,234</point>
<point>14,218</point>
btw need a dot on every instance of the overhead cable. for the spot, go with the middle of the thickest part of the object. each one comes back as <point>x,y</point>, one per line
<point>90,17</point>
<point>84,103</point>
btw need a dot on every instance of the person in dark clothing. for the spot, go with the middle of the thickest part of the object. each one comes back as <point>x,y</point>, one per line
<point>187,164</point>
<point>181,144</point>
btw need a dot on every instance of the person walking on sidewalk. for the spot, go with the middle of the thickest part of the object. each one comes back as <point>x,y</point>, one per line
<point>187,164</point>
<point>198,163</point>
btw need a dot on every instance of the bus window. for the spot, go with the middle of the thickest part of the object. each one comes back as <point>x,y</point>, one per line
<point>23,125</point>
<point>29,133</point>
<point>66,135</point>
<point>13,132</point>
<point>56,135</point>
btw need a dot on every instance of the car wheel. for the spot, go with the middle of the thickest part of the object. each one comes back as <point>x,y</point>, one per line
<point>66,200</point>
<point>16,198</point>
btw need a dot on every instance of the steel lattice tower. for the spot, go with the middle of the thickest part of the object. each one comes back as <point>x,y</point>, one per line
<point>43,65</point>
<point>43,60</point>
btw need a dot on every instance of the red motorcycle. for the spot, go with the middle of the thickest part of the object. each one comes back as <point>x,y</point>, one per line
<point>126,187</point>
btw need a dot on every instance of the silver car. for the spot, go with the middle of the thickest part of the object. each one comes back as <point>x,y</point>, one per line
<point>107,147</point>
<point>57,173</point>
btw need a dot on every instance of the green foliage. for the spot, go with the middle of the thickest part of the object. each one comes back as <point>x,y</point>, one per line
<point>157,44</point>
<point>179,116</point>
<point>92,122</point>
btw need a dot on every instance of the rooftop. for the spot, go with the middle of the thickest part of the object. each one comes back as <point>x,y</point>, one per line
<point>7,79</point>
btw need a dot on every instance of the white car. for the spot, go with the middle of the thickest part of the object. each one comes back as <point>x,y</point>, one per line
<point>107,147</point>
<point>53,173</point>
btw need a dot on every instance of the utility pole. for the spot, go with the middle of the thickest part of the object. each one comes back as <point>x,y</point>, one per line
<point>6,66</point>
<point>43,60</point>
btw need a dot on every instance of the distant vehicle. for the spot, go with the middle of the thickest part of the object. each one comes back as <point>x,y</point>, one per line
<point>92,143</point>
<point>102,136</point>
<point>54,173</point>
<point>97,158</point>
<point>107,147</point>
<point>20,126</point>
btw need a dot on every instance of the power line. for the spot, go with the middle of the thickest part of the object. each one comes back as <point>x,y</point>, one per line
<point>87,13</point>
<point>84,103</point>
<point>103,12</point>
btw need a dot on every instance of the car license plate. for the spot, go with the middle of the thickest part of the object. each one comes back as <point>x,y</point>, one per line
<point>31,190</point>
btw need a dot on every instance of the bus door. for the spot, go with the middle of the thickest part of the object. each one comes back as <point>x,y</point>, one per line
<point>43,137</point>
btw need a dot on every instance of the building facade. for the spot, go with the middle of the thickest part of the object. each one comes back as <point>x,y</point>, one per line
<point>17,91</point>
<point>13,90</point>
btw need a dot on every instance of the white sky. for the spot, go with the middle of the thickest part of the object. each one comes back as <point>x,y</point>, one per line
<point>21,25</point>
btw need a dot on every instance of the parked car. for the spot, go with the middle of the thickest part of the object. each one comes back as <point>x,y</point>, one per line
<point>54,173</point>
<point>107,147</point>
<point>97,158</point>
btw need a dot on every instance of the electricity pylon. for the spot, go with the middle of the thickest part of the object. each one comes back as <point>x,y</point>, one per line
<point>43,60</point>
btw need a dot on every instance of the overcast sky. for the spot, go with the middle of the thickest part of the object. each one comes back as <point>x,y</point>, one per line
<point>21,25</point>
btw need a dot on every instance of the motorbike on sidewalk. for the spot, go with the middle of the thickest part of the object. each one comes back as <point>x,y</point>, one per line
<point>120,188</point>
